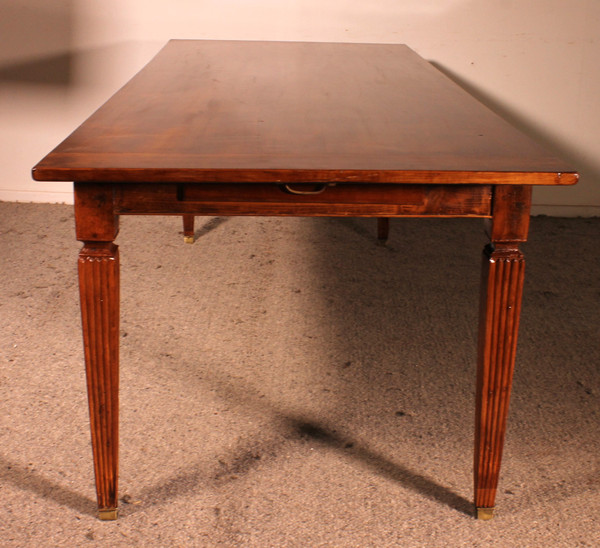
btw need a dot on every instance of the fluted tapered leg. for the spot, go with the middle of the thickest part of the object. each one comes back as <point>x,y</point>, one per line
<point>99,293</point>
<point>502,288</point>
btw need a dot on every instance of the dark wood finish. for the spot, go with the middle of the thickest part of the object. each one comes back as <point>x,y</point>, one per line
<point>96,224</point>
<point>383,228</point>
<point>257,128</point>
<point>370,200</point>
<point>207,111</point>
<point>502,287</point>
<point>99,292</point>
<point>188,227</point>
<point>95,217</point>
<point>500,307</point>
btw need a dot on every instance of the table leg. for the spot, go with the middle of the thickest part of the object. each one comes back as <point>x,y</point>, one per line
<point>501,291</point>
<point>99,293</point>
<point>188,228</point>
<point>383,228</point>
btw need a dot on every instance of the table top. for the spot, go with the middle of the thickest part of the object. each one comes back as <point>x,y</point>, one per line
<point>237,111</point>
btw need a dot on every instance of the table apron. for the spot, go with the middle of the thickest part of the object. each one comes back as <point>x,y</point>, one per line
<point>271,199</point>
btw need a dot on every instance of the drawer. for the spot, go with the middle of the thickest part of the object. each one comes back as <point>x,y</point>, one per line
<point>305,199</point>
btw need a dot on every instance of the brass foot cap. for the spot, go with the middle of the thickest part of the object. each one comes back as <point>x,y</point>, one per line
<point>188,239</point>
<point>485,513</point>
<point>108,514</point>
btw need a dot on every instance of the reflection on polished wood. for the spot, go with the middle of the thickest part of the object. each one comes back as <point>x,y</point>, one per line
<point>302,129</point>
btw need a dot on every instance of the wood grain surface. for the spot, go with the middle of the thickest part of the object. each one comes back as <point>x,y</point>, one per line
<point>306,112</point>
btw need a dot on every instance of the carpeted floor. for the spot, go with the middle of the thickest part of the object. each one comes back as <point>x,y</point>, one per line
<point>290,382</point>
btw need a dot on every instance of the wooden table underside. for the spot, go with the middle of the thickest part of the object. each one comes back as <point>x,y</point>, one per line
<point>298,129</point>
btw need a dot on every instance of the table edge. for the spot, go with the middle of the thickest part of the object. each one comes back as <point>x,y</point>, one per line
<point>178,175</point>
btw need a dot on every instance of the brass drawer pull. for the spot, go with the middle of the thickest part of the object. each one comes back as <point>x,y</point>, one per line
<point>317,190</point>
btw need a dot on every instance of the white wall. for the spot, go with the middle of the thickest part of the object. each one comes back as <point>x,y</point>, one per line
<point>534,61</point>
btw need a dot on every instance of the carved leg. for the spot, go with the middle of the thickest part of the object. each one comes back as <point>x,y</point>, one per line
<point>188,229</point>
<point>502,288</point>
<point>99,293</point>
<point>383,228</point>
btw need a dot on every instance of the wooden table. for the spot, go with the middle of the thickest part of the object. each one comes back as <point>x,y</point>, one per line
<point>302,129</point>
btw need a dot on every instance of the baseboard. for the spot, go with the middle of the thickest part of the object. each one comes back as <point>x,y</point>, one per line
<point>36,197</point>
<point>566,210</point>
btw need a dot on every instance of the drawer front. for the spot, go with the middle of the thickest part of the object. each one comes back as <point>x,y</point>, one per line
<point>305,199</point>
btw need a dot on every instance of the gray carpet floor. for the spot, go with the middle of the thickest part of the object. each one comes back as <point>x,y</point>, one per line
<point>291,382</point>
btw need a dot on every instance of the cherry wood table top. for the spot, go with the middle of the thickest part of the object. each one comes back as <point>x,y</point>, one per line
<point>244,112</point>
